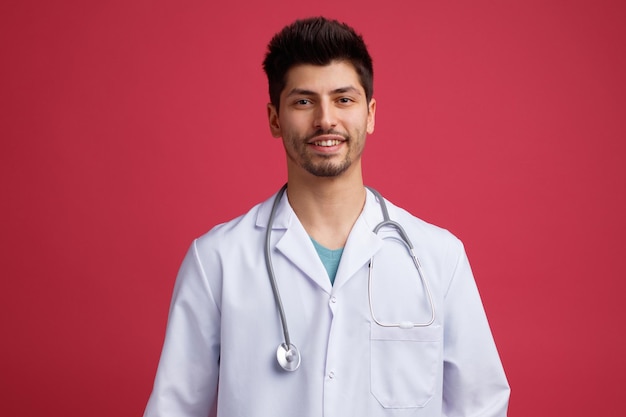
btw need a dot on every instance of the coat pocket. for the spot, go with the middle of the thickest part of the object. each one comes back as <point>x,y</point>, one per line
<point>404,364</point>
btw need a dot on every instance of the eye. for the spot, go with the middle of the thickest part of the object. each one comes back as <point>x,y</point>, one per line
<point>302,102</point>
<point>345,100</point>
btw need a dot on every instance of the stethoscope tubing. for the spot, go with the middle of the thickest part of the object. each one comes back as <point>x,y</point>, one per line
<point>270,268</point>
<point>287,354</point>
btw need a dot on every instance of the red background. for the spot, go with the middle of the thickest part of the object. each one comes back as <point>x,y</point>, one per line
<point>130,127</point>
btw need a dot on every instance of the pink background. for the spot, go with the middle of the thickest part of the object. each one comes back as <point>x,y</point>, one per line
<point>130,127</point>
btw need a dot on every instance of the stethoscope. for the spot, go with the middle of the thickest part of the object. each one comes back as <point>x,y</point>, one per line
<point>287,354</point>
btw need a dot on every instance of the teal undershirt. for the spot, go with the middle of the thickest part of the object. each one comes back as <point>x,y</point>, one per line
<point>330,258</point>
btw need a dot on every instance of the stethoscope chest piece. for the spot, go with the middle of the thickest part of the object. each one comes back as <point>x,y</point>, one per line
<point>288,357</point>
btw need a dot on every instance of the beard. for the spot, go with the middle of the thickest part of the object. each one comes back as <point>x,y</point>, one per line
<point>327,168</point>
<point>318,165</point>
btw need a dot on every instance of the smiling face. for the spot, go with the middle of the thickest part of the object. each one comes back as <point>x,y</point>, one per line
<point>324,119</point>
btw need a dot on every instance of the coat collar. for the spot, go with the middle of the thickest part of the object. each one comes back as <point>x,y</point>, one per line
<point>291,240</point>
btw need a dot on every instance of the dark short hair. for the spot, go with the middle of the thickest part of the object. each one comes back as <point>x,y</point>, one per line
<point>316,41</point>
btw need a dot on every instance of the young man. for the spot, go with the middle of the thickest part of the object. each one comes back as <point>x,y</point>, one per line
<point>360,330</point>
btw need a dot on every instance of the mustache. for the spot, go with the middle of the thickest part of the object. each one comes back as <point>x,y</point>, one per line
<point>321,132</point>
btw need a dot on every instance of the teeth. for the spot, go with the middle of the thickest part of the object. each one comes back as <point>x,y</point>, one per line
<point>327,142</point>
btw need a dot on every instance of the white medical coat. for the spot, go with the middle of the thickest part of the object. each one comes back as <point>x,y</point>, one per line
<point>219,354</point>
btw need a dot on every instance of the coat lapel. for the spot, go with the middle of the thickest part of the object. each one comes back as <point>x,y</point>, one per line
<point>291,239</point>
<point>362,242</point>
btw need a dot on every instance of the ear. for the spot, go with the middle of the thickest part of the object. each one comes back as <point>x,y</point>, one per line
<point>272,116</point>
<point>371,116</point>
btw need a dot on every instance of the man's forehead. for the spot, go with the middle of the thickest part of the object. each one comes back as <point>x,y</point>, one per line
<point>322,78</point>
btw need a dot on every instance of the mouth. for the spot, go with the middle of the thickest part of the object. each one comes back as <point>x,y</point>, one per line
<point>327,142</point>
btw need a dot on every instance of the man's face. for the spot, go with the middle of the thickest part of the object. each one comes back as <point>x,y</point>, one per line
<point>324,118</point>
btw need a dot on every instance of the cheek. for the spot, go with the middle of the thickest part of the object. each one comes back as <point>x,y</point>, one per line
<point>296,126</point>
<point>360,125</point>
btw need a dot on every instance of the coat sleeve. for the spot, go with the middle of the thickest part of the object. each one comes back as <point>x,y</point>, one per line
<point>474,383</point>
<point>187,375</point>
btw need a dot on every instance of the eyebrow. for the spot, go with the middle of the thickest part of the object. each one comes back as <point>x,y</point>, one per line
<point>340,90</point>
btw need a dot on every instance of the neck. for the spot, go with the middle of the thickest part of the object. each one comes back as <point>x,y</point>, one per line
<point>327,207</point>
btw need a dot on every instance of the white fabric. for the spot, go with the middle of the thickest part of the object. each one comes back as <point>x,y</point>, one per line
<point>224,326</point>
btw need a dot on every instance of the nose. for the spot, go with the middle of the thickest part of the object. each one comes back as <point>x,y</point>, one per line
<point>325,116</point>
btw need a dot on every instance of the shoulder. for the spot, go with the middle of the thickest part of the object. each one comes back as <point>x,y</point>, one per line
<point>424,233</point>
<point>240,230</point>
<point>439,251</point>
